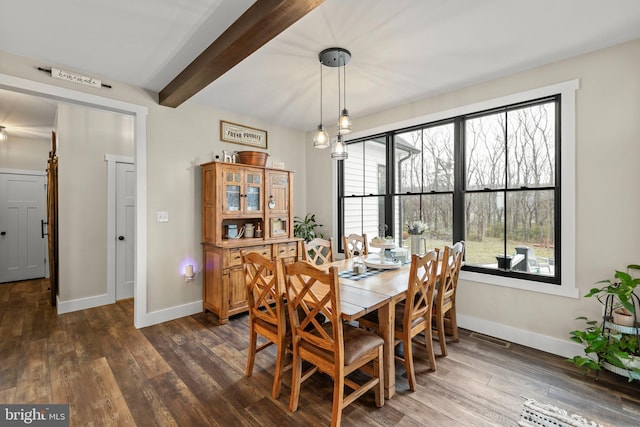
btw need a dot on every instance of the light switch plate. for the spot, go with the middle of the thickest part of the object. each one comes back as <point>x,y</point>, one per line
<point>162,216</point>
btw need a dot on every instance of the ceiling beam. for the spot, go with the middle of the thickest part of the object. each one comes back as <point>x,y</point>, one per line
<point>264,20</point>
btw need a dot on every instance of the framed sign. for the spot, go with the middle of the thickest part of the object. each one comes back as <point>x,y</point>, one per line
<point>245,135</point>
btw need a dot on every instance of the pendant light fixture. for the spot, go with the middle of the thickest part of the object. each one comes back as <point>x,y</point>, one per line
<point>335,57</point>
<point>321,137</point>
<point>339,149</point>
<point>344,122</point>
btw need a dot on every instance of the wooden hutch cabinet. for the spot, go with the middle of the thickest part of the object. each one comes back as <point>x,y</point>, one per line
<point>233,196</point>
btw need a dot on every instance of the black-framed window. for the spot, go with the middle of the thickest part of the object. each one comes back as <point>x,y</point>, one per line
<point>491,178</point>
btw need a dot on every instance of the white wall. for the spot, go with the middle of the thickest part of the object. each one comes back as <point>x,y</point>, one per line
<point>607,197</point>
<point>24,153</point>
<point>179,141</point>
<point>84,136</point>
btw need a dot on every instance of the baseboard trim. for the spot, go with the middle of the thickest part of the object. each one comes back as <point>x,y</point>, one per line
<point>564,348</point>
<point>171,313</point>
<point>83,303</point>
<point>149,319</point>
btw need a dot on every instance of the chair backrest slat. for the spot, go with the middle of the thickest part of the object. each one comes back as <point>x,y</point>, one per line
<point>264,288</point>
<point>423,276</point>
<point>311,291</point>
<point>319,251</point>
<point>450,270</point>
<point>355,245</point>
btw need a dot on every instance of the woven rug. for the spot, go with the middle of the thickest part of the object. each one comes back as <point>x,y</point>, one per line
<point>535,414</point>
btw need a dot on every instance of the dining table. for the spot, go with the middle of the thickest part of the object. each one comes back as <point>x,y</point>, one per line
<point>374,291</point>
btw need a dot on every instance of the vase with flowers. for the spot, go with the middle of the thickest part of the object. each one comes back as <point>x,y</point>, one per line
<point>418,243</point>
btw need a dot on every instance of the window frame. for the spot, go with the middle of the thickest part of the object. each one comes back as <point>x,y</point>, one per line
<point>557,188</point>
<point>564,186</point>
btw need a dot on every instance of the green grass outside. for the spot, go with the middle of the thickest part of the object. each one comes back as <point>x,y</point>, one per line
<point>485,252</point>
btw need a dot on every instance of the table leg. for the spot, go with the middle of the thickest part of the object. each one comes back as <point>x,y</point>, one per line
<point>386,319</point>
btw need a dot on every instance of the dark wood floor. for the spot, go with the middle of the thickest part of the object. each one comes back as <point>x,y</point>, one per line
<point>190,372</point>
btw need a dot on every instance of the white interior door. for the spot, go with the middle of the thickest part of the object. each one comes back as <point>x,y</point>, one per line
<point>125,229</point>
<point>22,240</point>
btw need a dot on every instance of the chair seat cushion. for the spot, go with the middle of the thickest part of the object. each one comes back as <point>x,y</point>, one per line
<point>357,343</point>
<point>446,300</point>
<point>399,319</point>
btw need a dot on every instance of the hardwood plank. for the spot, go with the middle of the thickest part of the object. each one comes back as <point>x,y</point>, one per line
<point>8,396</point>
<point>146,356</point>
<point>205,376</point>
<point>184,406</point>
<point>190,371</point>
<point>144,402</point>
<point>10,358</point>
<point>33,383</point>
<point>110,408</point>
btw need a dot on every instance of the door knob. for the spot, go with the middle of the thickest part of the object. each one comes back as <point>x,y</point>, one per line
<point>120,237</point>
<point>3,233</point>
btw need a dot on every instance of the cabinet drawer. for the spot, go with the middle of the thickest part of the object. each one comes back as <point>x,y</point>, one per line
<point>285,250</point>
<point>233,257</point>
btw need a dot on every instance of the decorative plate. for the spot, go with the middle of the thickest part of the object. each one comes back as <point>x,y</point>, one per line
<point>374,261</point>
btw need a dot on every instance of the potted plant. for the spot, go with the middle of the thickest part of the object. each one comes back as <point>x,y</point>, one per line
<point>305,228</point>
<point>607,343</point>
<point>604,348</point>
<point>618,295</point>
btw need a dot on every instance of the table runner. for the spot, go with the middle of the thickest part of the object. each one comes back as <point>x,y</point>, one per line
<point>351,275</point>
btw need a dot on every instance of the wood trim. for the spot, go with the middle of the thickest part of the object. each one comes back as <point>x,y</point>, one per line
<point>257,26</point>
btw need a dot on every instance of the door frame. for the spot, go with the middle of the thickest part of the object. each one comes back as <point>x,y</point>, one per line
<point>141,316</point>
<point>112,160</point>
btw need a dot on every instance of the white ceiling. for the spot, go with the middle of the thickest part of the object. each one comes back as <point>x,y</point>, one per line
<point>402,50</point>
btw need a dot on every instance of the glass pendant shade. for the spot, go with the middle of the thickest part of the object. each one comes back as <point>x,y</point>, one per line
<point>321,138</point>
<point>339,149</point>
<point>344,122</point>
<point>335,57</point>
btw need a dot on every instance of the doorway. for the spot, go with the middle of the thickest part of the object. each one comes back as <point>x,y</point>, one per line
<point>23,240</point>
<point>139,113</point>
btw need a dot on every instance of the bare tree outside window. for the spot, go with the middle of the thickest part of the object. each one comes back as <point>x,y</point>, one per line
<point>510,157</point>
<point>503,204</point>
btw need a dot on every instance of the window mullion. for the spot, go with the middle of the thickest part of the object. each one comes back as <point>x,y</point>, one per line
<point>458,180</point>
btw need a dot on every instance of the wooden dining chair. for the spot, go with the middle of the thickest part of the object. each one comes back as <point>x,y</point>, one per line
<point>413,317</point>
<point>267,312</point>
<point>333,347</point>
<point>444,312</point>
<point>355,245</point>
<point>319,251</point>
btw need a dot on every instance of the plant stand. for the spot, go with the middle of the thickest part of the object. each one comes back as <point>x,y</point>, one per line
<point>610,327</point>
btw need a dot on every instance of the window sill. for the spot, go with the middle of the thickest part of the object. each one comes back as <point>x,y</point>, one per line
<point>566,290</point>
